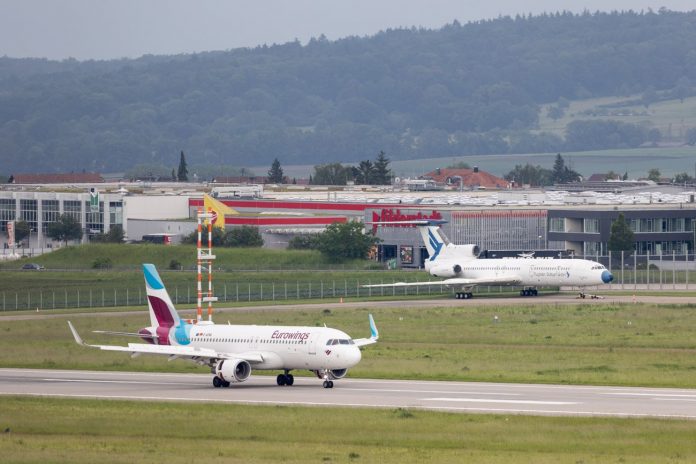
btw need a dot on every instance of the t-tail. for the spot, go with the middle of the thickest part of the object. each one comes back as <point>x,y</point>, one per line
<point>435,241</point>
<point>163,315</point>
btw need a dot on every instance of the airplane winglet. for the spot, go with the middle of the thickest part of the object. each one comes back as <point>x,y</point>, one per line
<point>374,333</point>
<point>78,339</point>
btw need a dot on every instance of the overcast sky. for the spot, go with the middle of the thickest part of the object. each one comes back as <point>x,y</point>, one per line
<point>104,29</point>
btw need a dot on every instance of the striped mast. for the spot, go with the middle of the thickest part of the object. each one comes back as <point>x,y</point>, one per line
<point>205,254</point>
<point>211,257</point>
<point>199,306</point>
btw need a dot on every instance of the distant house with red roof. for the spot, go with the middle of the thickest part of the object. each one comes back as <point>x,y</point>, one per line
<point>69,178</point>
<point>466,178</point>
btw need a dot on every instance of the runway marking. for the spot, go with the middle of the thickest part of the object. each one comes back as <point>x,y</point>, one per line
<point>113,381</point>
<point>441,392</point>
<point>481,400</point>
<point>381,406</point>
<point>657,395</point>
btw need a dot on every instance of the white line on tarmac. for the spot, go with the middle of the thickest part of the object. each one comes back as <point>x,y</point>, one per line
<point>481,400</point>
<point>657,395</point>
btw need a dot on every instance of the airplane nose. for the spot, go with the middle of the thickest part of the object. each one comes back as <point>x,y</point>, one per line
<point>355,355</point>
<point>607,277</point>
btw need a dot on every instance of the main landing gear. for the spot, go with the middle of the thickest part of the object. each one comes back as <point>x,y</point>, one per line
<point>529,292</point>
<point>285,379</point>
<point>218,382</point>
<point>464,295</point>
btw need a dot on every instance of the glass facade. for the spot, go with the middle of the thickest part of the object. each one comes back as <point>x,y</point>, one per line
<point>94,219</point>
<point>116,213</point>
<point>662,225</point>
<point>49,213</point>
<point>557,225</point>
<point>74,209</point>
<point>28,212</point>
<point>8,212</point>
<point>591,226</point>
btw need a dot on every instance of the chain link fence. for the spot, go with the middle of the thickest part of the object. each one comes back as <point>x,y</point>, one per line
<point>631,272</point>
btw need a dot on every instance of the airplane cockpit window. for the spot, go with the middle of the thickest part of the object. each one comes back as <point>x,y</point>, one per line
<point>340,341</point>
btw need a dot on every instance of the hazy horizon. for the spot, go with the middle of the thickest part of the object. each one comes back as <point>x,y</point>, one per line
<point>112,29</point>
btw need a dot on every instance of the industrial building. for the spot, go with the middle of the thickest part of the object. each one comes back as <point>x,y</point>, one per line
<point>573,223</point>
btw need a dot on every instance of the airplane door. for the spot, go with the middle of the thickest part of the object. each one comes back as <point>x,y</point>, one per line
<point>312,343</point>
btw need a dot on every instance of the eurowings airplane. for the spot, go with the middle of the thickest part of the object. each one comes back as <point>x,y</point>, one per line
<point>462,270</point>
<point>232,351</point>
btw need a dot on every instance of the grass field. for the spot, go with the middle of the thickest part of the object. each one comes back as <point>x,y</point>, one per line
<point>633,344</point>
<point>88,431</point>
<point>672,117</point>
<point>130,256</point>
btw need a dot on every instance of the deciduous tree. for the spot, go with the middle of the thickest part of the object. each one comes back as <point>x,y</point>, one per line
<point>65,228</point>
<point>622,237</point>
<point>341,241</point>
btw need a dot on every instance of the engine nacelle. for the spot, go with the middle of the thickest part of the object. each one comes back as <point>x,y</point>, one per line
<point>448,270</point>
<point>233,370</point>
<point>468,251</point>
<point>337,373</point>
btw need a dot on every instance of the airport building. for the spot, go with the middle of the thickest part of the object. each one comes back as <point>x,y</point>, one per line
<point>499,222</point>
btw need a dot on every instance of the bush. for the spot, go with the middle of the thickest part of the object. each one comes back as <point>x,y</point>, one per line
<point>175,265</point>
<point>301,242</point>
<point>245,236</point>
<point>102,263</point>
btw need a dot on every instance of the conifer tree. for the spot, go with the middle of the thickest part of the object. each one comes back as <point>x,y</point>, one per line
<point>182,174</point>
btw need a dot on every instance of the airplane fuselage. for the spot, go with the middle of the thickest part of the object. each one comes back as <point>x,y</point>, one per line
<point>278,347</point>
<point>525,271</point>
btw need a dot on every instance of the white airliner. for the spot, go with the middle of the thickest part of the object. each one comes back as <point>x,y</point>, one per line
<point>462,270</point>
<point>231,351</point>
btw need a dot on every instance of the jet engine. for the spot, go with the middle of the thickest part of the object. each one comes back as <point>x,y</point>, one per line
<point>467,251</point>
<point>447,270</point>
<point>233,370</point>
<point>337,373</point>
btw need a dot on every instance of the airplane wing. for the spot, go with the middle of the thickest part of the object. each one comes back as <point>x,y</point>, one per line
<point>374,335</point>
<point>454,282</point>
<point>185,352</point>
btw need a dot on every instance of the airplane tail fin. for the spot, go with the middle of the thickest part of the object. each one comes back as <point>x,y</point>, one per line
<point>162,311</point>
<point>433,238</point>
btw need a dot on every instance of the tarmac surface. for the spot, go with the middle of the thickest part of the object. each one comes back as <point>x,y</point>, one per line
<point>460,397</point>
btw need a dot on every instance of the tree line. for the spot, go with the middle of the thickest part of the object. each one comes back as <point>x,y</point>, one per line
<point>474,88</point>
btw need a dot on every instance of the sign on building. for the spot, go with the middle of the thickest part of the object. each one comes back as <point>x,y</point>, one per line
<point>11,234</point>
<point>93,200</point>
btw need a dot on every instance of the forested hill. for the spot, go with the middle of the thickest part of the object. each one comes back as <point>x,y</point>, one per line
<point>475,88</point>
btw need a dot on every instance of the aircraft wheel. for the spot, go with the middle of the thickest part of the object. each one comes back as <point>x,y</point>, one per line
<point>523,293</point>
<point>471,295</point>
<point>535,292</point>
<point>217,383</point>
<point>289,379</point>
<point>466,295</point>
<point>281,380</point>
<point>326,384</point>
<point>330,383</point>
<point>226,384</point>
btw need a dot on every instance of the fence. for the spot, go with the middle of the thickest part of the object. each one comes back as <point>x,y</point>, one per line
<point>225,291</point>
<point>648,272</point>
